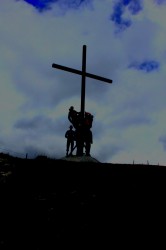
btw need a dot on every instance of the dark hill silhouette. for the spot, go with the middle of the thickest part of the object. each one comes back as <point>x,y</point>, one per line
<point>48,204</point>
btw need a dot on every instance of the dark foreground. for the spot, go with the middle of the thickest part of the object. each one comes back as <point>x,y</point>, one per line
<point>52,204</point>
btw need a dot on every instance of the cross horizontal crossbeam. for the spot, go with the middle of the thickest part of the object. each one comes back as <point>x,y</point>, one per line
<point>79,72</point>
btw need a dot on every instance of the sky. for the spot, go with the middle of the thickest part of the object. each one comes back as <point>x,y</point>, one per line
<point>125,42</point>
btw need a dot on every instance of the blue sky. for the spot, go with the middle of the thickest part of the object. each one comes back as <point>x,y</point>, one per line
<point>125,42</point>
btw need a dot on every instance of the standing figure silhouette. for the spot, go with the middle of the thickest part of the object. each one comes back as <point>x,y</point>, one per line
<point>70,135</point>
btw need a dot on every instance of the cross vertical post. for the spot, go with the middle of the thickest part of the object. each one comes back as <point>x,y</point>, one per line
<point>80,144</point>
<point>83,81</point>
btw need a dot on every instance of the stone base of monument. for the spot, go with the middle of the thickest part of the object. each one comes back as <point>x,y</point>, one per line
<point>83,158</point>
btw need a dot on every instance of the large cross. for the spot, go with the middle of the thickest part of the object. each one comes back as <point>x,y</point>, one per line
<point>84,74</point>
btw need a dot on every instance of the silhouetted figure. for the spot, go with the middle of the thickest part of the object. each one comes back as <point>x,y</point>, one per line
<point>83,134</point>
<point>88,138</point>
<point>74,117</point>
<point>70,135</point>
<point>88,119</point>
<point>79,141</point>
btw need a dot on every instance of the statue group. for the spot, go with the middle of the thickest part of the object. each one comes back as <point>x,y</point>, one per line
<point>82,135</point>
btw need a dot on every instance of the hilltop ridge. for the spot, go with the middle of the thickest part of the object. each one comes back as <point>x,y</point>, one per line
<point>55,202</point>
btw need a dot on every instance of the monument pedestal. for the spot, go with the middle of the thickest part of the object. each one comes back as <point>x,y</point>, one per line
<point>83,158</point>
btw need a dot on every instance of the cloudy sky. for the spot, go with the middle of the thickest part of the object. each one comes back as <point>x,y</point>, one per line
<point>126,42</point>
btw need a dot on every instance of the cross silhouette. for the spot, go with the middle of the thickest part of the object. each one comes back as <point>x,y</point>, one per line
<point>84,74</point>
